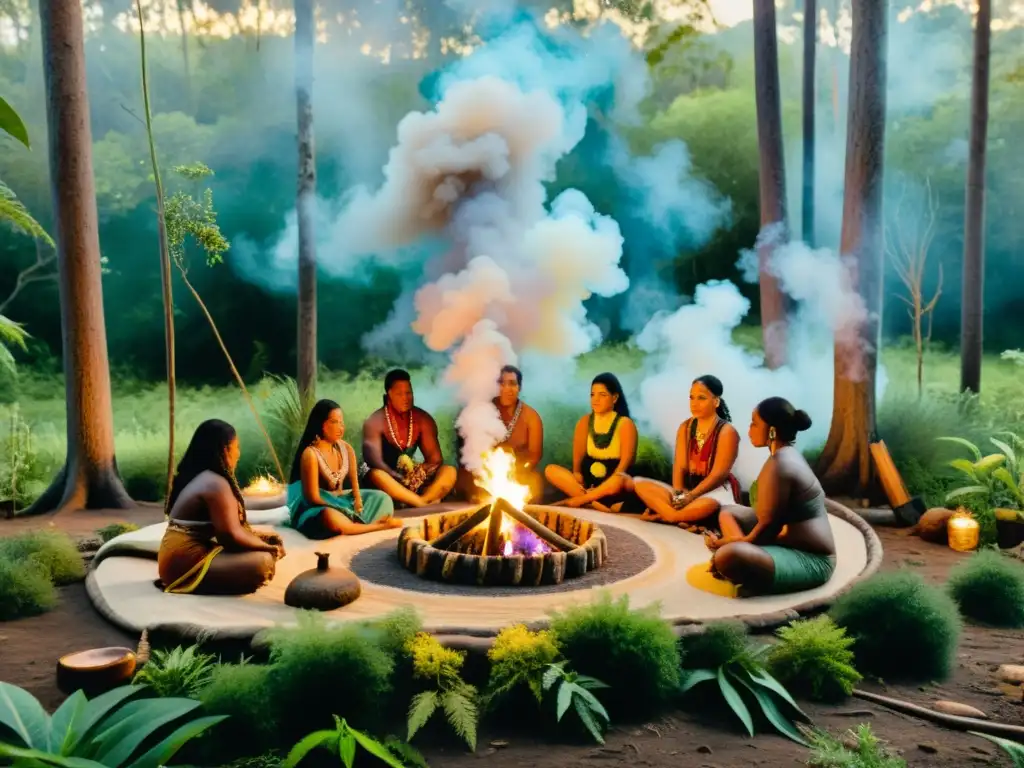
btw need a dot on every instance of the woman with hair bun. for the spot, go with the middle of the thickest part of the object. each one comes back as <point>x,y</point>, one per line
<point>785,543</point>
<point>706,448</point>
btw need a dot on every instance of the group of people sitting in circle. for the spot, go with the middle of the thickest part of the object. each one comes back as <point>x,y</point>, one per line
<point>783,544</point>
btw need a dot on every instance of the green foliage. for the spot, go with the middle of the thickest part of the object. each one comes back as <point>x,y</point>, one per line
<point>634,652</point>
<point>54,551</point>
<point>108,731</point>
<point>980,477</point>
<point>12,124</point>
<point>318,671</point>
<point>342,741</point>
<point>112,531</point>
<point>14,213</point>
<point>179,672</point>
<point>25,590</point>
<point>903,628</point>
<point>186,216</point>
<point>18,474</point>
<point>989,588</point>
<point>813,658</point>
<point>741,678</point>
<point>287,412</point>
<point>1012,748</point>
<point>574,690</point>
<point>395,630</point>
<point>864,750</point>
<point>520,657</point>
<point>442,667</point>
<point>241,693</point>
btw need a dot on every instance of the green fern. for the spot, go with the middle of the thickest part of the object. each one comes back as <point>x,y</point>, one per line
<point>814,657</point>
<point>15,214</point>
<point>181,672</point>
<point>421,710</point>
<point>406,753</point>
<point>457,698</point>
<point>459,704</point>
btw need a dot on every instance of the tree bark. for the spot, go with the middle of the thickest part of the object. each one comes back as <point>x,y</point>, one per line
<point>772,179</point>
<point>89,478</point>
<point>305,40</point>
<point>845,465</point>
<point>810,53</point>
<point>973,301</point>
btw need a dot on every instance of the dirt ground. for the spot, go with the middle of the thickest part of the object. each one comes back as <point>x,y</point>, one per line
<point>29,649</point>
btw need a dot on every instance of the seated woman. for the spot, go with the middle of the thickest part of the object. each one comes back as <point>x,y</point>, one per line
<point>706,449</point>
<point>786,544</point>
<point>318,507</point>
<point>603,451</point>
<point>208,547</point>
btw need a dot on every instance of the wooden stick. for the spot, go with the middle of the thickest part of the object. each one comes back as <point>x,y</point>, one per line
<point>955,722</point>
<point>542,531</point>
<point>492,544</point>
<point>452,535</point>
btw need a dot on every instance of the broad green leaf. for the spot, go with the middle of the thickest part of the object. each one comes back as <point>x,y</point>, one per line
<point>308,744</point>
<point>168,748</point>
<point>735,701</point>
<point>11,123</point>
<point>376,749</point>
<point>138,721</point>
<point>421,709</point>
<point>63,721</point>
<point>765,680</point>
<point>97,710</point>
<point>591,700</point>
<point>966,490</point>
<point>965,466</point>
<point>1011,457</point>
<point>553,672</point>
<point>1003,475</point>
<point>35,757</point>
<point>1012,748</point>
<point>694,677</point>
<point>772,713</point>
<point>587,718</point>
<point>24,715</point>
<point>347,749</point>
<point>565,691</point>
<point>975,451</point>
<point>590,683</point>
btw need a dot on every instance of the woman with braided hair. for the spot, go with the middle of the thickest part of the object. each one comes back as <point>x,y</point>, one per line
<point>208,547</point>
<point>706,448</point>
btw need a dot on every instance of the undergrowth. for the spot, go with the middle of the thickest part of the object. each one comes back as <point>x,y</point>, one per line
<point>25,590</point>
<point>813,658</point>
<point>989,588</point>
<point>519,657</point>
<point>242,692</point>
<point>55,552</point>
<point>903,628</point>
<point>855,749</point>
<point>180,672</point>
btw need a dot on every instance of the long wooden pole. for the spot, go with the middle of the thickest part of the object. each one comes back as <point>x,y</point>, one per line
<point>539,529</point>
<point>492,544</point>
<point>452,535</point>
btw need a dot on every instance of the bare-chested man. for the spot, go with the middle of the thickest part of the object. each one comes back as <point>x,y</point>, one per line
<point>524,436</point>
<point>391,435</point>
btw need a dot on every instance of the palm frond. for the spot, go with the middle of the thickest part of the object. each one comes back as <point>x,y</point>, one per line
<point>13,211</point>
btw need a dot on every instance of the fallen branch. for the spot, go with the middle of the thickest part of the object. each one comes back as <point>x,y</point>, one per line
<point>954,722</point>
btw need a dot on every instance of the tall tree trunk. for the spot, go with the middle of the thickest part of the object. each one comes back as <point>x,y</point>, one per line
<point>186,63</point>
<point>810,45</point>
<point>305,40</point>
<point>89,478</point>
<point>772,178</point>
<point>973,301</point>
<point>845,465</point>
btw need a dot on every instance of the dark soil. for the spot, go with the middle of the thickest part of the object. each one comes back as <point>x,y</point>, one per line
<point>30,648</point>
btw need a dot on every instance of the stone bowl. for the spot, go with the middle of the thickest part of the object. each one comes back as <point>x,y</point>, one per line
<point>96,670</point>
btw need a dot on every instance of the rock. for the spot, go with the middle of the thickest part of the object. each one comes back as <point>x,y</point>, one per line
<point>928,747</point>
<point>323,588</point>
<point>704,749</point>
<point>958,709</point>
<point>499,744</point>
<point>1011,673</point>
<point>932,525</point>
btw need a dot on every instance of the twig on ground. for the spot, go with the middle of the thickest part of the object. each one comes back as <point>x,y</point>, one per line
<point>954,722</point>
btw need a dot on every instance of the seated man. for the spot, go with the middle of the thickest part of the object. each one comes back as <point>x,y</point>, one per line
<point>391,435</point>
<point>524,437</point>
<point>786,544</point>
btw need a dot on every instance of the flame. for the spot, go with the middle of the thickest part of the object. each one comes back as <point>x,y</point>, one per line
<point>497,476</point>
<point>507,551</point>
<point>263,484</point>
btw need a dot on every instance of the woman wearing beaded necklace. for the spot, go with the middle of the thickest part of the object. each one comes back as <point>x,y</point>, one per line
<point>603,451</point>
<point>706,448</point>
<point>318,506</point>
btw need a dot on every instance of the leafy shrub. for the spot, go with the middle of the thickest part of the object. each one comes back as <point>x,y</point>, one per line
<point>240,691</point>
<point>634,652</point>
<point>901,626</point>
<point>813,658</point>
<point>395,630</point>
<point>112,531</point>
<point>989,588</point>
<point>449,692</point>
<point>519,657</point>
<point>343,740</point>
<point>178,672</point>
<point>857,750</point>
<point>721,642</point>
<point>574,690</point>
<point>25,590</point>
<point>55,552</point>
<point>318,671</point>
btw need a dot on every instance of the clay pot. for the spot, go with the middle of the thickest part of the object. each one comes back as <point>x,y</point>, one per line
<point>323,588</point>
<point>95,671</point>
<point>1009,528</point>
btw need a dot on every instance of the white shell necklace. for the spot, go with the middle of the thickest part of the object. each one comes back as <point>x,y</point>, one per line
<point>391,429</point>
<point>510,427</point>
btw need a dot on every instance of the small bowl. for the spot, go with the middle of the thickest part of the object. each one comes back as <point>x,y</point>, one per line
<point>95,671</point>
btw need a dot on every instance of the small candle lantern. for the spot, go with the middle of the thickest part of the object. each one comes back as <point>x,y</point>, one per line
<point>963,530</point>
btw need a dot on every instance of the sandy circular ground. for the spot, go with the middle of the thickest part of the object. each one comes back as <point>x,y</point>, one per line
<point>657,558</point>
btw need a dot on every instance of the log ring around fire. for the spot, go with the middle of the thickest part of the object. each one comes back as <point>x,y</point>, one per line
<point>461,567</point>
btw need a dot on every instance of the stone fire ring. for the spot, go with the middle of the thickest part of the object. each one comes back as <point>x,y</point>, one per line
<point>418,556</point>
<point>120,585</point>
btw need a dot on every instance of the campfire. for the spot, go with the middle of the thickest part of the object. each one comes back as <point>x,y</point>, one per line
<point>505,541</point>
<point>262,485</point>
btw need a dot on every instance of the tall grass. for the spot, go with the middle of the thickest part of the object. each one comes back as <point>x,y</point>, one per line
<point>909,427</point>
